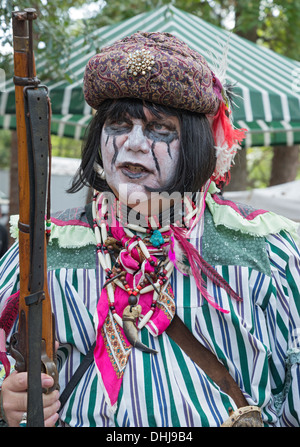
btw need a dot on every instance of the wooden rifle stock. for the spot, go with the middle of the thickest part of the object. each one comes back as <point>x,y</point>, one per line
<point>31,354</point>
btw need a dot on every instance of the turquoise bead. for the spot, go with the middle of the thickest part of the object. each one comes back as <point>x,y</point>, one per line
<point>156,239</point>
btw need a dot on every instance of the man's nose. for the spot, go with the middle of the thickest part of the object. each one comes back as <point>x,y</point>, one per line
<point>137,140</point>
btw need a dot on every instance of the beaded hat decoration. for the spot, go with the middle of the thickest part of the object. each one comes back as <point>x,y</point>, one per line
<point>160,68</point>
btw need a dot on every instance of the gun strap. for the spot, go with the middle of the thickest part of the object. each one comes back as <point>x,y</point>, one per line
<point>36,113</point>
<point>206,360</point>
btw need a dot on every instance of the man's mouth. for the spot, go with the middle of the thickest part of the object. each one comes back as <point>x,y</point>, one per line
<point>134,170</point>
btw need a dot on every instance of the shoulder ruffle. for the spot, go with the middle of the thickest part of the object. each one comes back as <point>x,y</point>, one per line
<point>246,219</point>
<point>70,229</point>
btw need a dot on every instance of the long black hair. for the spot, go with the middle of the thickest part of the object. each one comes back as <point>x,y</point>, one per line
<point>197,157</point>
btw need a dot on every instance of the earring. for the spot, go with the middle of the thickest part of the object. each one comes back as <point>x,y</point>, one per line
<point>100,171</point>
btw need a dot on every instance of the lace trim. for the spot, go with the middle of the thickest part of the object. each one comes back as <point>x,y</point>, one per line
<point>72,236</point>
<point>247,220</point>
<point>68,236</point>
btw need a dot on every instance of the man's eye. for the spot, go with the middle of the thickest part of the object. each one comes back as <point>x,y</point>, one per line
<point>158,127</point>
<point>119,123</point>
<point>117,127</point>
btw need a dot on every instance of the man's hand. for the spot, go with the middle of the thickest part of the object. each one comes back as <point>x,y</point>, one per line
<point>14,399</point>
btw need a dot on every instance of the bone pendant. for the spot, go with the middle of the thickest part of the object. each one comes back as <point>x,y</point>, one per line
<point>130,314</point>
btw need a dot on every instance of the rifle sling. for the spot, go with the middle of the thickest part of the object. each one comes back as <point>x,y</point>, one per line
<point>183,337</point>
<point>206,360</point>
<point>36,113</point>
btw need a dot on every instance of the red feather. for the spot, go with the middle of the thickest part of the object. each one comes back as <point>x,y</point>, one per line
<point>198,265</point>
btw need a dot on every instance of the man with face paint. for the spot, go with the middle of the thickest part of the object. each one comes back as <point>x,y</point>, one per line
<point>140,156</point>
<point>159,242</point>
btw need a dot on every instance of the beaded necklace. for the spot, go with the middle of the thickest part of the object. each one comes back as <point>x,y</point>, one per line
<point>151,250</point>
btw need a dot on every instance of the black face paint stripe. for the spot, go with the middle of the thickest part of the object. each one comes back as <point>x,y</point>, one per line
<point>154,157</point>
<point>113,161</point>
<point>156,137</point>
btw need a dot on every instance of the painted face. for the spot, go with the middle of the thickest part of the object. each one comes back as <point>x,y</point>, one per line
<point>138,154</point>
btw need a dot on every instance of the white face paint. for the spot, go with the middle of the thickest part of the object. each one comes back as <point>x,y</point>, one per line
<point>140,153</point>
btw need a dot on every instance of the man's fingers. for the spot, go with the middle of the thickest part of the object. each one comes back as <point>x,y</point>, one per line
<point>51,407</point>
<point>16,382</point>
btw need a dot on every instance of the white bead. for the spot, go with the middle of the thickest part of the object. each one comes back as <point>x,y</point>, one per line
<point>103,231</point>
<point>150,288</point>
<point>108,261</point>
<point>97,235</point>
<point>169,265</point>
<point>102,260</point>
<point>164,229</point>
<point>145,319</point>
<point>136,228</point>
<point>110,292</point>
<point>146,289</point>
<point>128,232</point>
<point>94,210</point>
<point>144,249</point>
<point>155,296</point>
<point>119,284</point>
<point>152,222</point>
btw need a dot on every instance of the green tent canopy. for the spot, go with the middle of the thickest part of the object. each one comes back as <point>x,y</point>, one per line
<point>266,83</point>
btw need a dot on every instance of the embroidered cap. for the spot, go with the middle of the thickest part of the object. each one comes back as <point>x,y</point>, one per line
<point>156,67</point>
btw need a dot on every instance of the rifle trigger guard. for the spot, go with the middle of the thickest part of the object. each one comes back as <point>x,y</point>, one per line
<point>49,367</point>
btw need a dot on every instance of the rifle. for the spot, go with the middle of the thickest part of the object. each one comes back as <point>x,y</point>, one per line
<point>33,345</point>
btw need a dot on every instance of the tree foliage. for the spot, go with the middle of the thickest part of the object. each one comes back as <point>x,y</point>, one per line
<point>53,32</point>
<point>274,23</point>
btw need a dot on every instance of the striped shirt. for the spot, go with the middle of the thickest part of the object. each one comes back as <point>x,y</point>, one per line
<point>258,340</point>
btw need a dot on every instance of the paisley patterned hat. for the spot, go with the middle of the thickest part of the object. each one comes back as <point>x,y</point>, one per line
<point>160,68</point>
<point>153,66</point>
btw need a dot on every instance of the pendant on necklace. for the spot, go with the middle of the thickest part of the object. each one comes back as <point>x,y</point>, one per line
<point>156,239</point>
<point>130,315</point>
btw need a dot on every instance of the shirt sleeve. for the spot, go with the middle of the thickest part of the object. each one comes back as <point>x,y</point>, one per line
<point>283,320</point>
<point>9,285</point>
<point>9,274</point>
